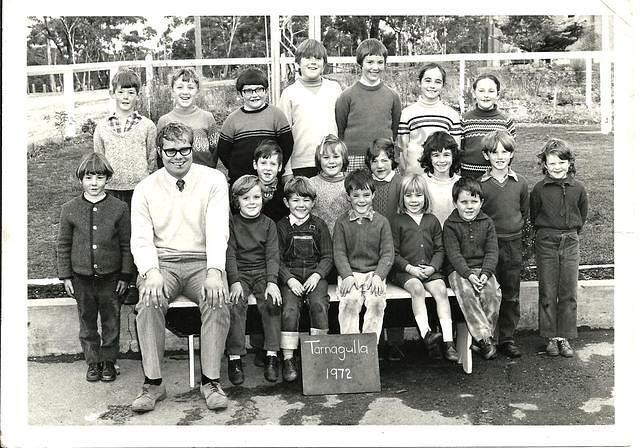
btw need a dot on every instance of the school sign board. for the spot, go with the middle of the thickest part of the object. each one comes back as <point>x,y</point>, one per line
<point>339,364</point>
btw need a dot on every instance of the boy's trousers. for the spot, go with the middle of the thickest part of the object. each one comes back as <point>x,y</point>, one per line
<point>557,257</point>
<point>480,310</point>
<point>187,278</point>
<point>97,295</point>
<point>508,276</point>
<point>317,302</point>
<point>351,304</point>
<point>253,282</point>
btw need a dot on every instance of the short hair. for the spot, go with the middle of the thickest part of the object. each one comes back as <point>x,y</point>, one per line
<point>252,77</point>
<point>370,47</point>
<point>174,132</point>
<point>468,184</point>
<point>188,74</point>
<point>487,76</point>
<point>559,148</point>
<point>437,142</point>
<point>430,66</point>
<point>301,186</point>
<point>125,78</point>
<point>332,144</point>
<point>411,183</point>
<point>359,179</point>
<point>241,186</point>
<point>94,163</point>
<point>379,145</point>
<point>490,141</point>
<point>267,148</point>
<point>311,48</point>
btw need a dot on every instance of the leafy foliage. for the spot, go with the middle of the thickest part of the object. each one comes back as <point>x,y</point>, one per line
<point>539,33</point>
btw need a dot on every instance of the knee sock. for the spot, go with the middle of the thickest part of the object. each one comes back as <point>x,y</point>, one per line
<point>233,357</point>
<point>287,353</point>
<point>204,380</point>
<point>423,324</point>
<point>318,331</point>
<point>155,381</point>
<point>447,333</point>
<point>272,353</point>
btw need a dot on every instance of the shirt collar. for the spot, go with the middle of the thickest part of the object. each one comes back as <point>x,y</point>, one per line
<point>388,178</point>
<point>172,180</point>
<point>298,222</point>
<point>134,115</point>
<point>510,173</point>
<point>353,216</point>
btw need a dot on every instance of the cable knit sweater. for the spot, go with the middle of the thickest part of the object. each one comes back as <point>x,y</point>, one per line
<point>387,196</point>
<point>132,154</point>
<point>204,127</point>
<point>331,201</point>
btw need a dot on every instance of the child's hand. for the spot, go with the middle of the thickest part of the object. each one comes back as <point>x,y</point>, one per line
<point>274,292</point>
<point>427,271</point>
<point>295,286</point>
<point>377,285</point>
<point>414,270</point>
<point>68,287</point>
<point>235,292</point>
<point>345,285</point>
<point>483,280</point>
<point>475,282</point>
<point>312,282</point>
<point>121,287</point>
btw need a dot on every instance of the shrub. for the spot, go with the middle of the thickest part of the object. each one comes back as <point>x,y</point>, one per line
<point>88,127</point>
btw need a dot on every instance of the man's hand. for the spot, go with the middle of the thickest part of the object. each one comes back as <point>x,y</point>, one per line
<point>312,282</point>
<point>68,287</point>
<point>295,286</point>
<point>213,291</point>
<point>152,292</point>
<point>377,285</point>
<point>235,292</point>
<point>274,292</point>
<point>121,287</point>
<point>346,285</point>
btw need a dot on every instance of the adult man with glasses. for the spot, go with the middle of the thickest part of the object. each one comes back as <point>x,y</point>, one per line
<point>179,217</point>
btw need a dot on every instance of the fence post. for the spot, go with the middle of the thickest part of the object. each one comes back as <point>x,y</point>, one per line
<point>149,75</point>
<point>589,78</point>
<point>67,78</point>
<point>461,86</point>
<point>315,30</point>
<point>274,25</point>
<point>605,79</point>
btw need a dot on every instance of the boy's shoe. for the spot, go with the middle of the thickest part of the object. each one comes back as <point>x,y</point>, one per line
<point>431,339</point>
<point>289,370</point>
<point>510,349</point>
<point>235,371</point>
<point>487,349</point>
<point>258,359</point>
<point>147,399</point>
<point>565,348</point>
<point>552,348</point>
<point>94,372</point>
<point>271,368</point>
<point>214,395</point>
<point>394,353</point>
<point>131,296</point>
<point>108,372</point>
<point>449,351</point>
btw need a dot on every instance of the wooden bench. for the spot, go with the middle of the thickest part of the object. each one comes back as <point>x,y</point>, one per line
<point>183,320</point>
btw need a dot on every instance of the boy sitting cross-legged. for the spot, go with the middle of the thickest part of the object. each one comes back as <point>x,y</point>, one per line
<point>306,258</point>
<point>363,254</point>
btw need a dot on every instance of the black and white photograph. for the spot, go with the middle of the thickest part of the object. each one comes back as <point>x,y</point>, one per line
<point>319,225</point>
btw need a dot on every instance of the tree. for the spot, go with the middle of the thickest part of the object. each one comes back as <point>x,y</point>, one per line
<point>540,33</point>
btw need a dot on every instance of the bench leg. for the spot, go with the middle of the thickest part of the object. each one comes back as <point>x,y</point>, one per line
<point>463,345</point>
<point>192,373</point>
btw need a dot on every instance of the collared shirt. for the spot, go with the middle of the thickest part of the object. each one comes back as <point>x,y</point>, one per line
<point>510,173</point>
<point>353,216</point>
<point>298,222</point>
<point>387,178</point>
<point>129,123</point>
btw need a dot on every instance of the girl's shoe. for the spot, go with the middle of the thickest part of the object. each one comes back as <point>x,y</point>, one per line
<point>565,348</point>
<point>449,351</point>
<point>552,348</point>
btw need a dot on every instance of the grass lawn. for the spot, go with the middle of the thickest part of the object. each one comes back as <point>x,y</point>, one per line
<point>51,183</point>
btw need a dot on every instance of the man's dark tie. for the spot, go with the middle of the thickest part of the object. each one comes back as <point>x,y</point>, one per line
<point>180,184</point>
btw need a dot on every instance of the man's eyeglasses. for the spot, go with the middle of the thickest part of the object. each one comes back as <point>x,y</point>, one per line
<point>258,90</point>
<point>172,152</point>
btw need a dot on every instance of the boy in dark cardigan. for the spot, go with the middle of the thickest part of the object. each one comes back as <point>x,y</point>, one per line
<point>95,263</point>
<point>471,245</point>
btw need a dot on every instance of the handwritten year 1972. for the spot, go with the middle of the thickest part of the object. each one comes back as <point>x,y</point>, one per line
<point>338,373</point>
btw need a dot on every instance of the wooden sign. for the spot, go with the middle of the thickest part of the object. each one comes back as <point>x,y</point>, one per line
<point>339,364</point>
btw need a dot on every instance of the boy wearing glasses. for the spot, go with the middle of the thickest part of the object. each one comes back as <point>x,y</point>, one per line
<point>180,227</point>
<point>254,121</point>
